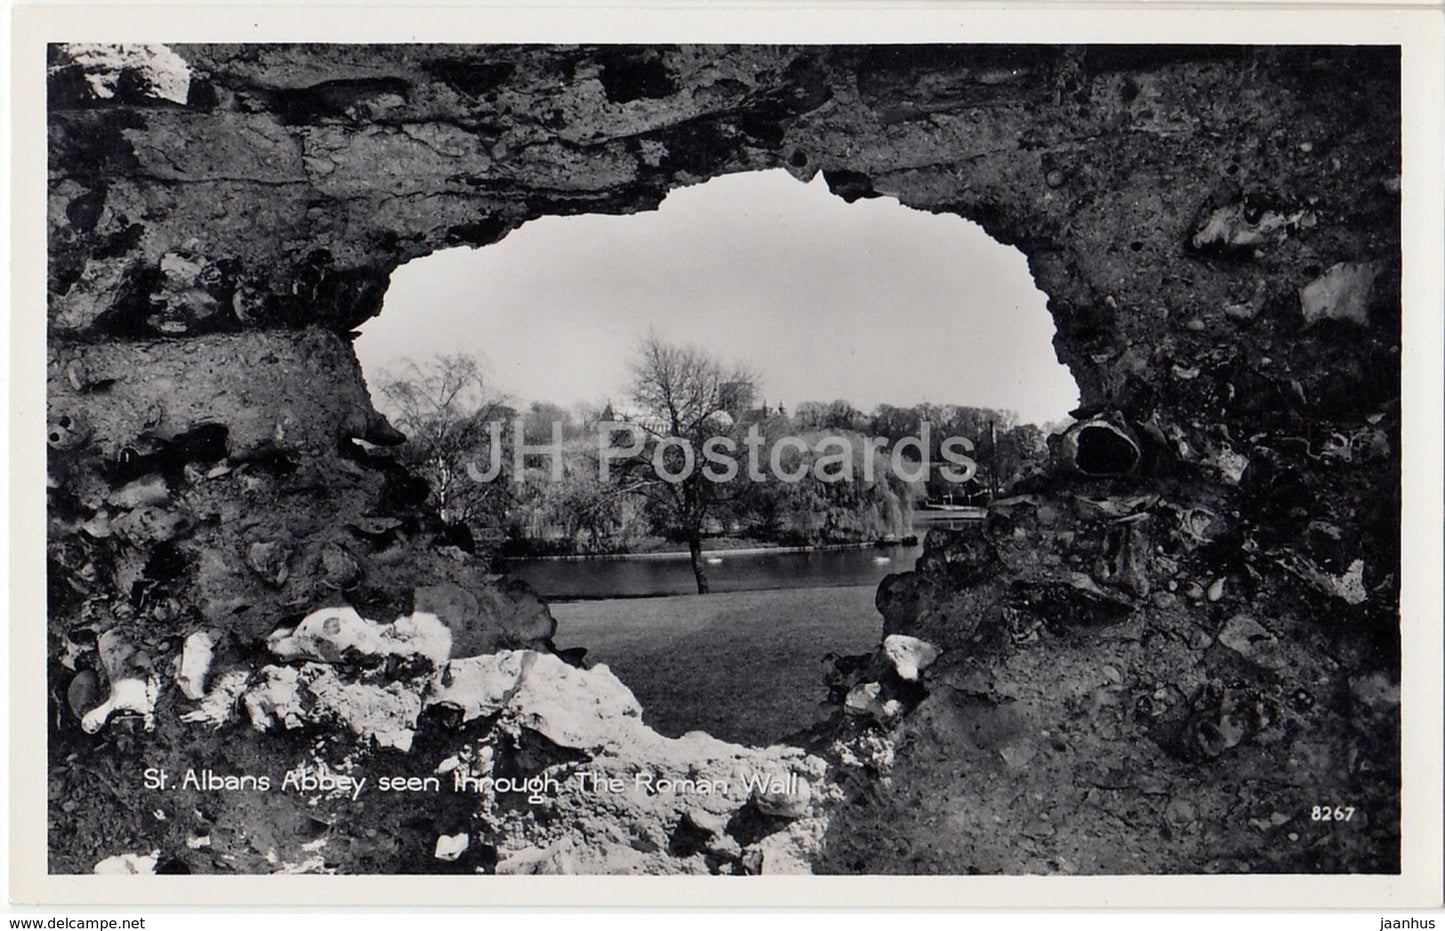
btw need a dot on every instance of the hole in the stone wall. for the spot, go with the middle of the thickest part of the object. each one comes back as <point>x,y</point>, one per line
<point>854,319</point>
<point>1104,450</point>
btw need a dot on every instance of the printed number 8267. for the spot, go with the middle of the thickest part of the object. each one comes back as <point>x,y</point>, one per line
<point>1332,813</point>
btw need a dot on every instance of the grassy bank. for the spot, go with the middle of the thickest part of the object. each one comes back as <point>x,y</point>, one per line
<point>743,666</point>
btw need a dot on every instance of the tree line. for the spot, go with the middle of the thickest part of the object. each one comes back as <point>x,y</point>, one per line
<point>678,401</point>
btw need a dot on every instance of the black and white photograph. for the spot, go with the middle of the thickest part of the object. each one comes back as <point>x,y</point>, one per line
<point>866,459</point>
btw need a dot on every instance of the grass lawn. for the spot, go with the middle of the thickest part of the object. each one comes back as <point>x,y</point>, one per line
<point>743,666</point>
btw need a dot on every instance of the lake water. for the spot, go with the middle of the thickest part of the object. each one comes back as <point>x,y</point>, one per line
<point>727,571</point>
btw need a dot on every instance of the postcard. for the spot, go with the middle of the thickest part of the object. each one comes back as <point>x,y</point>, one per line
<point>846,457</point>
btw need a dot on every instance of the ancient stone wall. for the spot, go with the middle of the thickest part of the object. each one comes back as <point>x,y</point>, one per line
<point>1189,624</point>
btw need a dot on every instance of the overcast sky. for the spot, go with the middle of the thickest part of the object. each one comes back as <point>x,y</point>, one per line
<point>870,302</point>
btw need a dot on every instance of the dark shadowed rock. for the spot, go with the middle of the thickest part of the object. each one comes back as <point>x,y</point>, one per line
<point>224,216</point>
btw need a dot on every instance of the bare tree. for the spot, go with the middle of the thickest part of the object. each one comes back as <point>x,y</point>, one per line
<point>682,392</point>
<point>443,406</point>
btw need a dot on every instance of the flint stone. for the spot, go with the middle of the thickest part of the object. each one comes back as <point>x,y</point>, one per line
<point>194,665</point>
<point>1245,636</point>
<point>451,846</point>
<point>1341,293</point>
<point>330,635</point>
<point>571,707</point>
<point>909,655</point>
<point>127,864</point>
<point>132,687</point>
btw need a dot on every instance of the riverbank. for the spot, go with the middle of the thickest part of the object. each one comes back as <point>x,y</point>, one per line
<point>749,550</point>
<point>559,580</point>
<point>743,666</point>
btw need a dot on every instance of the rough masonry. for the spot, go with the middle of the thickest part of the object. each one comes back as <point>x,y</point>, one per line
<point>1158,655</point>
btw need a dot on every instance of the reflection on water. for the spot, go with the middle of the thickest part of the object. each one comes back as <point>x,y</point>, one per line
<point>671,574</point>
